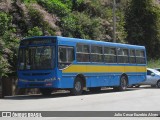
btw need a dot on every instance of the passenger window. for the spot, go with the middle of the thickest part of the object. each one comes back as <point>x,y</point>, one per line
<point>83,54</point>
<point>132,57</point>
<point>110,55</point>
<point>66,56</point>
<point>123,55</point>
<point>96,54</point>
<point>140,57</point>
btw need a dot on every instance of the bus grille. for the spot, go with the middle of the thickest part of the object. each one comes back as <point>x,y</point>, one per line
<point>35,74</point>
<point>35,85</point>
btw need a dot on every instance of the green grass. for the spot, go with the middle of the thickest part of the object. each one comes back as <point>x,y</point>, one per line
<point>153,63</point>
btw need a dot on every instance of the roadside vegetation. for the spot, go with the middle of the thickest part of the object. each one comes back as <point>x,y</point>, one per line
<point>138,22</point>
<point>153,63</point>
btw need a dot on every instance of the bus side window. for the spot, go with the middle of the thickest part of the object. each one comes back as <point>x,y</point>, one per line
<point>140,57</point>
<point>132,57</point>
<point>62,55</point>
<point>110,55</point>
<point>123,56</point>
<point>66,56</point>
<point>96,53</point>
<point>83,53</point>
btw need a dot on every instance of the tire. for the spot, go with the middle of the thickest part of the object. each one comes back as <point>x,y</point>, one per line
<point>77,87</point>
<point>46,91</point>
<point>158,84</point>
<point>95,89</point>
<point>123,84</point>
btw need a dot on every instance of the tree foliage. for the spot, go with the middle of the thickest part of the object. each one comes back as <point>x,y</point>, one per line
<point>142,25</point>
<point>8,45</point>
<point>138,22</point>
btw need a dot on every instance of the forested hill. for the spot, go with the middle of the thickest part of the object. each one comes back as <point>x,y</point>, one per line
<point>89,19</point>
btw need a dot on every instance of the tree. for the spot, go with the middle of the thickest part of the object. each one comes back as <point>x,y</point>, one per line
<point>36,31</point>
<point>3,61</point>
<point>142,19</point>
<point>8,45</point>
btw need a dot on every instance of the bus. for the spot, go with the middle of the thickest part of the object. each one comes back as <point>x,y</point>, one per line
<point>54,62</point>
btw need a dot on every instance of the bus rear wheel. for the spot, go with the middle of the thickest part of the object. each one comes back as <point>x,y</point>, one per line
<point>95,89</point>
<point>77,87</point>
<point>46,91</point>
<point>123,84</point>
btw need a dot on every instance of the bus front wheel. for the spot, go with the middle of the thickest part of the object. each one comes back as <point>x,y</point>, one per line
<point>123,84</point>
<point>77,87</point>
<point>46,91</point>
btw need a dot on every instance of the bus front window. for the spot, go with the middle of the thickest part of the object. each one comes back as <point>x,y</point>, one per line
<point>36,58</point>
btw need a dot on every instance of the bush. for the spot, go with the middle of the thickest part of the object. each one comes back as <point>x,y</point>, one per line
<point>38,23</point>
<point>36,31</point>
<point>154,63</point>
<point>36,17</point>
<point>80,25</point>
<point>8,45</point>
<point>5,21</point>
<point>55,6</point>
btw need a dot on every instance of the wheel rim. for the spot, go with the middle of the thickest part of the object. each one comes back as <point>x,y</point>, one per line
<point>123,83</point>
<point>78,86</point>
<point>158,84</point>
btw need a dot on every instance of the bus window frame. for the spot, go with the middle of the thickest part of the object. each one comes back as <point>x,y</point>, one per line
<point>67,64</point>
<point>122,48</point>
<point>132,56</point>
<point>89,53</point>
<point>144,57</point>
<point>110,47</point>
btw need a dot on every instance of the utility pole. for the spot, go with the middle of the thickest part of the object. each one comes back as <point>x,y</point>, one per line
<point>114,20</point>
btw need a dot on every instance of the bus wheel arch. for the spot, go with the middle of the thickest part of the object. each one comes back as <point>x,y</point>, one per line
<point>124,74</point>
<point>79,83</point>
<point>83,79</point>
<point>123,83</point>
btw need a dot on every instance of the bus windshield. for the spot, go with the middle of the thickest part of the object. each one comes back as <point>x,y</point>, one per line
<point>36,58</point>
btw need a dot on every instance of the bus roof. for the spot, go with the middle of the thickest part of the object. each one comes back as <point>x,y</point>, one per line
<point>87,41</point>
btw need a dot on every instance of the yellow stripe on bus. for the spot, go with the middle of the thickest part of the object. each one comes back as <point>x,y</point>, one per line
<point>103,69</point>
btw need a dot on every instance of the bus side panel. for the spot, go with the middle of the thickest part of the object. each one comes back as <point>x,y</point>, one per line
<point>131,72</point>
<point>132,78</point>
<point>67,81</point>
<point>114,80</point>
<point>101,79</point>
<point>141,73</point>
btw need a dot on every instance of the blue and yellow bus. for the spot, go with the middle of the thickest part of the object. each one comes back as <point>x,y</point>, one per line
<point>55,62</point>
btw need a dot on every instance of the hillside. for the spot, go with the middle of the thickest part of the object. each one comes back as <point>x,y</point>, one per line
<point>89,19</point>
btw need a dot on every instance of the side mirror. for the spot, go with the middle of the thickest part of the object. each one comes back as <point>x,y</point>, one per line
<point>152,74</point>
